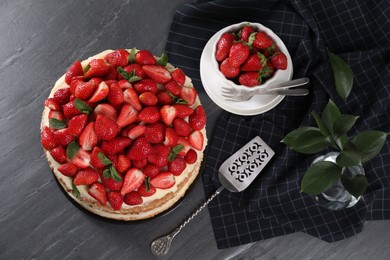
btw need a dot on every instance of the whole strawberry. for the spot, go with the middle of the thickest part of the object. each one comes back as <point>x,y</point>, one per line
<point>262,40</point>
<point>223,46</point>
<point>245,32</point>
<point>279,60</point>
<point>228,70</point>
<point>238,54</point>
<point>250,79</point>
<point>255,62</point>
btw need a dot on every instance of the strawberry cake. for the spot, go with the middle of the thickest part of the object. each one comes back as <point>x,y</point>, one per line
<point>124,133</point>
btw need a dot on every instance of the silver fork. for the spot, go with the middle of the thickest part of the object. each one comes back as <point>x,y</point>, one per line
<point>284,88</point>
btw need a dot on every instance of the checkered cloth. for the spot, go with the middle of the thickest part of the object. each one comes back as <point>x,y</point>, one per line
<point>358,31</point>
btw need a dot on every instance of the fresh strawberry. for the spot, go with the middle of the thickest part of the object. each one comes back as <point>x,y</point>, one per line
<point>123,163</point>
<point>262,41</point>
<point>62,96</point>
<point>164,180</point>
<point>85,90</point>
<point>68,169</point>
<point>179,76</point>
<point>140,149</point>
<point>168,114</point>
<point>105,128</point>
<point>161,149</point>
<point>191,156</point>
<point>112,74</point>
<point>197,120</point>
<point>139,164</point>
<point>279,60</point>
<point>183,111</point>
<point>97,68</point>
<point>250,79</point>
<point>75,83</point>
<point>155,132</point>
<point>117,58</point>
<point>173,87</point>
<point>100,93</point>
<point>245,32</point>
<point>124,84</point>
<point>131,97</point>
<point>132,198</point>
<point>56,114</point>
<point>88,138</point>
<point>74,70</point>
<point>171,137</point>
<point>95,161</point>
<point>158,160</point>
<point>115,145</point>
<point>47,138</point>
<point>111,184</point>
<point>144,57</point>
<point>186,145</point>
<point>189,95</point>
<point>223,46</point>
<point>63,137</point>
<point>177,166</point>
<point>149,115</point>
<point>148,99</point>
<point>146,85</point>
<point>164,98</point>
<point>106,110</point>
<point>146,192</point>
<point>151,170</point>
<point>271,50</point>
<point>77,124</point>
<point>86,177</point>
<point>159,73</point>
<point>82,159</point>
<point>136,132</point>
<point>268,70</point>
<point>181,127</point>
<point>133,179</point>
<point>238,54</point>
<point>227,70</point>
<point>52,104</point>
<point>59,154</point>
<point>115,96</point>
<point>98,192</point>
<point>136,68</point>
<point>255,62</point>
<point>196,140</point>
<point>127,115</point>
<point>115,199</point>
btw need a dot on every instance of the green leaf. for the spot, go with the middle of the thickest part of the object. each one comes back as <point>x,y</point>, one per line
<point>114,174</point>
<point>75,190</point>
<point>174,152</point>
<point>291,137</point>
<point>147,183</point>
<point>330,113</point>
<point>72,149</point>
<point>134,79</point>
<point>163,60</point>
<point>342,74</point>
<point>321,125</point>
<point>311,142</point>
<point>356,186</point>
<point>251,38</point>
<point>86,68</point>
<point>82,107</point>
<point>369,143</point>
<point>104,159</point>
<point>343,123</point>
<point>320,177</point>
<point>107,173</point>
<point>56,124</point>
<point>177,100</point>
<point>124,73</point>
<point>131,58</point>
<point>348,158</point>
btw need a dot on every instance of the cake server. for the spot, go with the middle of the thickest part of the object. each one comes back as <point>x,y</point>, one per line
<point>235,174</point>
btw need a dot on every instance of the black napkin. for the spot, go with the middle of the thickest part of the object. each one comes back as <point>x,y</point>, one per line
<point>356,30</point>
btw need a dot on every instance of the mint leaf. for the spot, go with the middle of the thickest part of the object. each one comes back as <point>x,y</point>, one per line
<point>82,107</point>
<point>174,152</point>
<point>320,177</point>
<point>72,149</point>
<point>75,191</point>
<point>104,159</point>
<point>56,124</point>
<point>124,73</point>
<point>134,79</point>
<point>177,100</point>
<point>86,68</point>
<point>114,174</point>
<point>163,60</point>
<point>342,74</point>
<point>107,173</point>
<point>251,38</point>
<point>147,184</point>
<point>131,58</point>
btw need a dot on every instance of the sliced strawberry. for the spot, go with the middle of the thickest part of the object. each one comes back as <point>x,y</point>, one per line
<point>181,127</point>
<point>68,169</point>
<point>146,192</point>
<point>130,96</point>
<point>198,119</point>
<point>97,68</point>
<point>151,170</point>
<point>106,110</point>
<point>112,74</point>
<point>168,114</point>
<point>159,73</point>
<point>133,179</point>
<point>48,140</point>
<point>149,115</point>
<point>77,124</point>
<point>183,110</point>
<point>179,76</point>
<point>164,180</point>
<point>70,110</point>
<point>164,98</point>
<point>124,84</point>
<point>86,177</point>
<point>95,161</point>
<point>63,137</point>
<point>56,114</point>
<point>148,98</point>
<point>139,164</point>
<point>85,90</point>
<point>133,198</point>
<point>158,159</point>
<point>155,132</point>
<point>115,199</point>
<point>117,58</point>
<point>196,140</point>
<point>115,145</point>
<point>74,70</point>
<point>189,95</point>
<point>98,192</point>
<point>144,57</point>
<point>123,163</point>
<point>81,159</point>
<point>88,138</point>
<point>52,104</point>
<point>62,96</point>
<point>140,149</point>
<point>136,132</point>
<point>191,156</point>
<point>59,154</point>
<point>171,137</point>
<point>186,145</point>
<point>136,68</point>
<point>127,115</point>
<point>146,85</point>
<point>177,166</point>
<point>100,93</point>
<point>105,128</point>
<point>173,87</point>
<point>115,96</point>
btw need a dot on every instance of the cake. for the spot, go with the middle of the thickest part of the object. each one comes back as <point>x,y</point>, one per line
<point>124,133</point>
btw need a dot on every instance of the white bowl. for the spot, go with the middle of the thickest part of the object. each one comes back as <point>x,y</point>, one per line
<point>213,79</point>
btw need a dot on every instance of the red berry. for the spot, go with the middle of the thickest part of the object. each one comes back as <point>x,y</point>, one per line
<point>164,98</point>
<point>149,114</point>
<point>74,70</point>
<point>198,119</point>
<point>140,149</point>
<point>97,68</point>
<point>155,132</point>
<point>77,124</point>
<point>223,46</point>
<point>164,180</point>
<point>81,159</point>
<point>115,199</point>
<point>136,68</point>
<point>115,145</point>
<point>95,161</point>
<point>158,73</point>
<point>117,58</point>
<point>68,169</point>
<point>144,192</point>
<point>115,95</point>
<point>144,57</point>
<point>148,98</point>
<point>105,128</point>
<point>255,62</point>
<point>136,131</point>
<point>139,164</point>
<point>262,41</point>
<point>86,177</point>
<point>227,70</point>
<point>98,192</point>
<point>189,95</point>
<point>182,111</point>
<point>177,166</point>
<point>173,87</point>
<point>63,137</point>
<point>106,110</point>
<point>250,79</point>
<point>70,110</point>
<point>123,163</point>
<point>181,127</point>
<point>151,170</point>
<point>131,97</point>
<point>168,114</point>
<point>132,180</point>
<point>238,54</point>
<point>47,138</point>
<point>59,154</point>
<point>127,115</point>
<point>171,137</point>
<point>85,90</point>
<point>196,140</point>
<point>279,60</point>
<point>146,85</point>
<point>132,198</point>
<point>62,96</point>
<point>191,156</point>
<point>179,76</point>
<point>245,32</point>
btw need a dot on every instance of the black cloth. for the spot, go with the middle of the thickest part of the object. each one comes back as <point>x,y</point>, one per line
<point>356,30</point>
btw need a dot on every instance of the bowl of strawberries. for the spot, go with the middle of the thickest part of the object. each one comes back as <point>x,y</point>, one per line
<point>245,56</point>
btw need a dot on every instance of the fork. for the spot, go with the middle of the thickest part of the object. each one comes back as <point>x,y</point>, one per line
<point>236,95</point>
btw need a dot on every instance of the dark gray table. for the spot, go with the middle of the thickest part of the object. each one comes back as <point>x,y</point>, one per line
<point>39,40</point>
